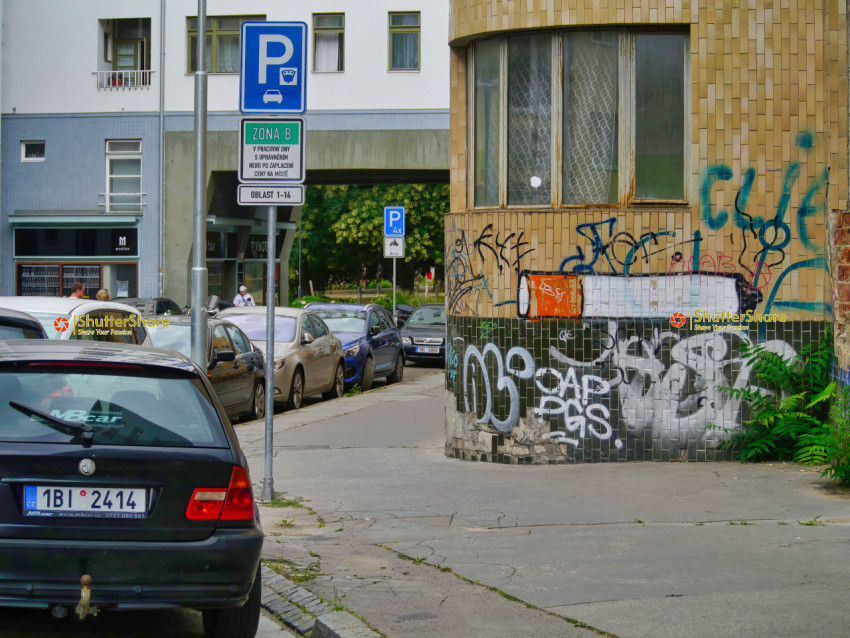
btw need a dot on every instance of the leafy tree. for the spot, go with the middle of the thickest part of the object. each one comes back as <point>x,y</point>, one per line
<point>343,227</point>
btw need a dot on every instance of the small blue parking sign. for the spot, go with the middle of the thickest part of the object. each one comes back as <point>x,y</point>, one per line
<point>394,221</point>
<point>272,78</point>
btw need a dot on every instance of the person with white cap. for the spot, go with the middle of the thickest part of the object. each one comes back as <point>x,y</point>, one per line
<point>244,298</point>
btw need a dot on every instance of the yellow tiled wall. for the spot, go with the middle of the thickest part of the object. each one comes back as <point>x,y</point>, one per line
<point>768,93</point>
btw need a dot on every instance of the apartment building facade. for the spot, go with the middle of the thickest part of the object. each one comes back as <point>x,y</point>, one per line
<point>98,132</point>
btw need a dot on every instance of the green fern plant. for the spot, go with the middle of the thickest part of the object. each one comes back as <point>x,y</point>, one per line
<point>838,439</point>
<point>788,405</point>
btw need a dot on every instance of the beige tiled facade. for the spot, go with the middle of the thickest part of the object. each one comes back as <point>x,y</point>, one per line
<point>564,339</point>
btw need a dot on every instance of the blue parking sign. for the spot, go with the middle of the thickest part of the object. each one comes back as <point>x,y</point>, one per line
<point>272,75</point>
<point>394,221</point>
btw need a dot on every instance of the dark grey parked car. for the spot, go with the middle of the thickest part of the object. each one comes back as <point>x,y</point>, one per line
<point>235,366</point>
<point>424,334</point>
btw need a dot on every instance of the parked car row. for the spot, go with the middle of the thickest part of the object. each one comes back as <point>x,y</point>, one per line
<point>323,348</point>
<point>114,453</point>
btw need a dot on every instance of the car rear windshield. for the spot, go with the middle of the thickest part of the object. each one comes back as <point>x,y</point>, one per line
<point>121,406</point>
<point>19,332</point>
<point>255,327</point>
<point>343,320</point>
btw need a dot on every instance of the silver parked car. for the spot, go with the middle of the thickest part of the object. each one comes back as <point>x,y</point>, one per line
<point>307,358</point>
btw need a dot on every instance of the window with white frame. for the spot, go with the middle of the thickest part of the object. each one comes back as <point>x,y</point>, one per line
<point>328,41</point>
<point>32,151</point>
<point>578,118</point>
<point>123,176</point>
<point>404,41</point>
<point>222,44</point>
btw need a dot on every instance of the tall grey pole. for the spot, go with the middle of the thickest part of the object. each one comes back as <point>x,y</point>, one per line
<point>299,259</point>
<point>394,260</point>
<point>199,258</point>
<point>267,494</point>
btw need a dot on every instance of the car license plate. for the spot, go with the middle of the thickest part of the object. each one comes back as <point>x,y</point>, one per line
<point>85,502</point>
<point>427,350</point>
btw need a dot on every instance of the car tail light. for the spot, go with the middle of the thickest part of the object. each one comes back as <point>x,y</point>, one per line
<point>236,503</point>
<point>239,504</point>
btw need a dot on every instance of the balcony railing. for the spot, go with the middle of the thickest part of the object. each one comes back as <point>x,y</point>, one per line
<point>123,80</point>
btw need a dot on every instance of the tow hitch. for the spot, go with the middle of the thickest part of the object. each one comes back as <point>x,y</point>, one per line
<point>84,607</point>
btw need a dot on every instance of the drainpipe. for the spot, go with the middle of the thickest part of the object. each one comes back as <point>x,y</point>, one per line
<point>161,141</point>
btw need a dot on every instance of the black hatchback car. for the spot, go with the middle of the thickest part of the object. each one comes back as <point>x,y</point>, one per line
<point>119,472</point>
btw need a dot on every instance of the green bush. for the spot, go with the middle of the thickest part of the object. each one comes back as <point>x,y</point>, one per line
<point>837,441</point>
<point>789,405</point>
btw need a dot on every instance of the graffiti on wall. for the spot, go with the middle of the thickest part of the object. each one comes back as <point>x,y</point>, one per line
<point>665,383</point>
<point>467,284</point>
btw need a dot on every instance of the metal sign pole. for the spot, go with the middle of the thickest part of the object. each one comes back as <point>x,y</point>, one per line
<point>198,326</point>
<point>267,494</point>
<point>394,260</point>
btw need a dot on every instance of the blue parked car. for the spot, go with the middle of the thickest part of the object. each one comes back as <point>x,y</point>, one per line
<point>371,342</point>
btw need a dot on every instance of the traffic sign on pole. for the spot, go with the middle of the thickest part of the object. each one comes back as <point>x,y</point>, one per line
<point>272,72</point>
<point>394,221</point>
<point>269,195</point>
<point>271,150</point>
<point>394,246</point>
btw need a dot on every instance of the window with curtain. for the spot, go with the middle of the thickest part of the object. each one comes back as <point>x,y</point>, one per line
<point>328,40</point>
<point>404,41</point>
<point>605,127</point>
<point>529,119</point>
<point>222,42</point>
<point>123,176</point>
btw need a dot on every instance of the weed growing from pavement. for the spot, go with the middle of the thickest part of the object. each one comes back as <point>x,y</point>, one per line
<point>353,391</point>
<point>293,572</point>
<point>812,523</point>
<point>741,523</point>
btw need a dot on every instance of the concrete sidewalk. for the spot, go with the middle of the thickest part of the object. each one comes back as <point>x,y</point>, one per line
<point>408,542</point>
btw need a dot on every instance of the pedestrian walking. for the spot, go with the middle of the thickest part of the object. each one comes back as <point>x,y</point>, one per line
<point>78,289</point>
<point>103,295</point>
<point>244,298</point>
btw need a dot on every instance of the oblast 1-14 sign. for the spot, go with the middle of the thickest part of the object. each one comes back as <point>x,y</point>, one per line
<point>271,150</point>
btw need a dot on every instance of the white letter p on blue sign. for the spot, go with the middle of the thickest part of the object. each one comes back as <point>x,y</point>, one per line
<point>394,221</point>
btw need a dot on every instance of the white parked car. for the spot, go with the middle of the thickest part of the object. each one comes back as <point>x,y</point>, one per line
<point>84,319</point>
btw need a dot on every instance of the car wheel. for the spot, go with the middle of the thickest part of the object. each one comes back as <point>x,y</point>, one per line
<point>258,406</point>
<point>368,376</point>
<point>339,384</point>
<point>296,391</point>
<point>398,374</point>
<point>238,622</point>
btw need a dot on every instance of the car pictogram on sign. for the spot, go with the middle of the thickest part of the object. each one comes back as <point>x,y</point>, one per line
<point>60,324</point>
<point>677,320</point>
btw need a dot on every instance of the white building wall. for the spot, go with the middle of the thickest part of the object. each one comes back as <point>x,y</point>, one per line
<point>52,48</point>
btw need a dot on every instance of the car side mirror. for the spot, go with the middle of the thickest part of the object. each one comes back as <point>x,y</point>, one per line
<point>218,357</point>
<point>307,338</point>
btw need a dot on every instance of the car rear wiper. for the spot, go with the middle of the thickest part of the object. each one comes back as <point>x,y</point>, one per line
<point>60,425</point>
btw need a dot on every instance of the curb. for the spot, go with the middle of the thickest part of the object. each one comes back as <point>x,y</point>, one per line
<point>307,614</point>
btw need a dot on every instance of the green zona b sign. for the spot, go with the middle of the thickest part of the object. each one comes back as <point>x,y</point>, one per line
<point>271,150</point>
